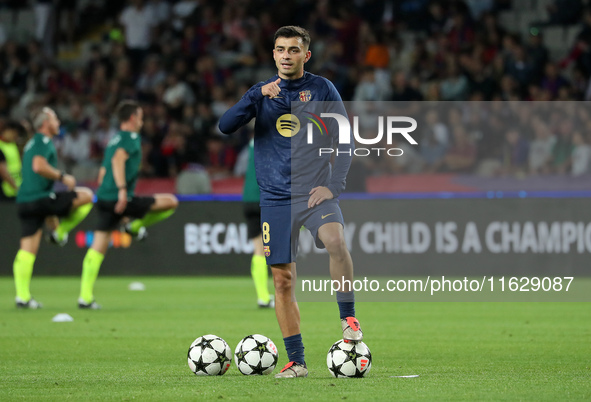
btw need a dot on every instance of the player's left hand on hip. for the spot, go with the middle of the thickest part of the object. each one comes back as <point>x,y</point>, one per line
<point>318,195</point>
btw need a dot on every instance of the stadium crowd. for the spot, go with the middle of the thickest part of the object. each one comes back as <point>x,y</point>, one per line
<point>188,61</point>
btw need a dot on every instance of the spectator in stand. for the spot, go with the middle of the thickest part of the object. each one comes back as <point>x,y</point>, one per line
<point>537,53</point>
<point>561,12</point>
<point>161,10</point>
<point>15,76</point>
<point>581,155</point>
<point>560,159</point>
<point>540,150</point>
<point>173,148</point>
<point>138,21</point>
<point>552,80</point>
<point>376,55</point>
<point>460,33</point>
<point>45,25</point>
<point>436,19</point>
<point>151,76</point>
<point>221,157</point>
<point>434,140</point>
<point>455,86</point>
<point>75,148</point>
<point>479,7</point>
<point>401,89</point>
<point>102,134</point>
<point>367,89</point>
<point>181,11</point>
<point>461,155</point>
<point>177,95</point>
<point>479,81</point>
<point>519,67</point>
<point>514,155</point>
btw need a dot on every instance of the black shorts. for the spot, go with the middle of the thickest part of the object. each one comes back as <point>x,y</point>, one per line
<point>252,214</point>
<point>108,220</point>
<point>32,214</point>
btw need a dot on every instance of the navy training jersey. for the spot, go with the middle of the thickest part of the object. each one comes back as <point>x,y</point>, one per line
<point>287,167</point>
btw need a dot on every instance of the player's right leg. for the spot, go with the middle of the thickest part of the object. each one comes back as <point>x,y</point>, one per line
<point>73,207</point>
<point>31,216</point>
<point>332,235</point>
<point>148,211</point>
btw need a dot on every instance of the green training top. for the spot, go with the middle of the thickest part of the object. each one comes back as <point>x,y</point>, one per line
<point>131,143</point>
<point>251,192</point>
<point>35,186</point>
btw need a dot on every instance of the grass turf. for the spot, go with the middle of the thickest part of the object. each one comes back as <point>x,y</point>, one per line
<point>135,348</point>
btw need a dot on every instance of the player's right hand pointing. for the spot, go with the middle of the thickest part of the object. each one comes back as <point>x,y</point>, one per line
<point>271,89</point>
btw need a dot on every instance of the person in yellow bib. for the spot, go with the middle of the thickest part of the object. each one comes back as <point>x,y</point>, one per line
<point>10,163</point>
<point>37,202</point>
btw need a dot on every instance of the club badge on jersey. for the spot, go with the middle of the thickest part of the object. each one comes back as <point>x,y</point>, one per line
<point>305,96</point>
<point>267,250</point>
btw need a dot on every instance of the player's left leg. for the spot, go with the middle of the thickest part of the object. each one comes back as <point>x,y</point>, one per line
<point>163,206</point>
<point>79,207</point>
<point>107,220</point>
<point>90,268</point>
<point>332,235</point>
<point>288,317</point>
<point>23,270</point>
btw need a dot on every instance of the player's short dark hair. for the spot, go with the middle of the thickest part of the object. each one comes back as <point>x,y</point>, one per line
<point>292,31</point>
<point>126,109</point>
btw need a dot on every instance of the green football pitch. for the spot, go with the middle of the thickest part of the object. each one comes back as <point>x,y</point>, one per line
<point>136,347</point>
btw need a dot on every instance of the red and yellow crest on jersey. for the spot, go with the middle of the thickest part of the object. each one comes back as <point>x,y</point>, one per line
<point>267,250</point>
<point>305,95</point>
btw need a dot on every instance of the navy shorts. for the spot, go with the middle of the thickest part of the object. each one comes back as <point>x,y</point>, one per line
<point>281,227</point>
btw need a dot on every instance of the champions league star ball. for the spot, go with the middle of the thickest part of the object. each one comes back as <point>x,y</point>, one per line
<point>348,360</point>
<point>256,355</point>
<point>209,355</point>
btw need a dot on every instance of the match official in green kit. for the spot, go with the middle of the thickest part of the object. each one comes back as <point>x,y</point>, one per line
<point>116,200</point>
<point>37,203</point>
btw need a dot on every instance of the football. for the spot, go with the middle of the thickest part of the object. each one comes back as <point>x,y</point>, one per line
<point>348,360</point>
<point>256,355</point>
<point>209,355</point>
